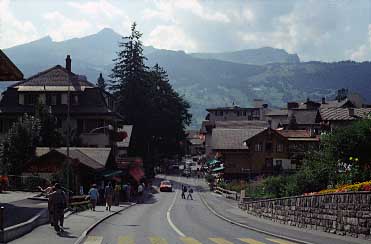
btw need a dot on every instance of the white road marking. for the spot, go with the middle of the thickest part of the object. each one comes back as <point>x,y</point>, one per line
<point>169,219</point>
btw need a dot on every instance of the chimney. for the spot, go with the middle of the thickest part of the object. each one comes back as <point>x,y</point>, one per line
<point>351,112</point>
<point>323,100</point>
<point>68,63</point>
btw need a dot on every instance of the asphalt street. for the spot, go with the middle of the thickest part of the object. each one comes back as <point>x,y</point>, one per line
<point>167,218</point>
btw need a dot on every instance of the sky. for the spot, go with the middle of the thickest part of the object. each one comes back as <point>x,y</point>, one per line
<point>325,30</point>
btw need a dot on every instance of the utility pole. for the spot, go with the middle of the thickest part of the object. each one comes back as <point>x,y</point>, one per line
<point>68,125</point>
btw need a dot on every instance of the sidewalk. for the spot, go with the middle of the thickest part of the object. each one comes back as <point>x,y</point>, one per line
<point>18,208</point>
<point>75,225</point>
<point>228,209</point>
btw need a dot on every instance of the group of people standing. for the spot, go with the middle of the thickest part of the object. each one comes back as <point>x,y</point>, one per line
<point>187,189</point>
<point>112,195</point>
<point>57,203</point>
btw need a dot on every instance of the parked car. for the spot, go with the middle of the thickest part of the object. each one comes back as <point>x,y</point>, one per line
<point>166,186</point>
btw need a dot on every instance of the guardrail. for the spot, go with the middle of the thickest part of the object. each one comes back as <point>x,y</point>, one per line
<point>227,193</point>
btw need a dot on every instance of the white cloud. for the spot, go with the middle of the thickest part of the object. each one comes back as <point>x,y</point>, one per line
<point>168,10</point>
<point>61,27</point>
<point>12,30</point>
<point>364,51</point>
<point>170,37</point>
<point>101,7</point>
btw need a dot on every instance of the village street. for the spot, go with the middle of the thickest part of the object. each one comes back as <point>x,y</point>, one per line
<point>167,218</point>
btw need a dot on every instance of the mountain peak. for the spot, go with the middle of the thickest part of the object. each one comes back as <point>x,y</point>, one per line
<point>106,31</point>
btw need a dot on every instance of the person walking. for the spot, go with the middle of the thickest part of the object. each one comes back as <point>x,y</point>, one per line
<point>140,193</point>
<point>184,190</point>
<point>117,192</point>
<point>108,195</point>
<point>94,196</point>
<point>59,203</point>
<point>190,191</point>
<point>47,191</point>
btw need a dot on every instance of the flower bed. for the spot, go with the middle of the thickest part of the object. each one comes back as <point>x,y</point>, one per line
<point>362,186</point>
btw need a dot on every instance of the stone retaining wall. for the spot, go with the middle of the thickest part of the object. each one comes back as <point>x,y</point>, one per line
<point>341,213</point>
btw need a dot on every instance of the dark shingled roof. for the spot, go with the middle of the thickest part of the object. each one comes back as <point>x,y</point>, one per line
<point>232,139</point>
<point>336,103</point>
<point>8,70</point>
<point>294,133</point>
<point>55,76</point>
<point>343,113</point>
<point>304,116</point>
<point>241,124</point>
<point>277,112</point>
<point>95,158</point>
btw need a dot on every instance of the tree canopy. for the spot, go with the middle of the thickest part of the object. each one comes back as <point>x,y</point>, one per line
<point>147,100</point>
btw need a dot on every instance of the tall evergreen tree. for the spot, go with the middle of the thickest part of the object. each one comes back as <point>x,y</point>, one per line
<point>101,83</point>
<point>170,113</point>
<point>148,102</point>
<point>130,86</point>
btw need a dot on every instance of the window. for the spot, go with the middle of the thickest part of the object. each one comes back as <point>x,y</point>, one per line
<point>53,99</point>
<point>221,113</point>
<point>258,147</point>
<point>30,99</point>
<point>278,163</point>
<point>75,99</point>
<point>244,113</point>
<point>268,147</point>
<point>279,147</point>
<point>238,113</point>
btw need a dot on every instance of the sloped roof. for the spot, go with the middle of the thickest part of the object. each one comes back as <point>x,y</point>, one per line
<point>241,124</point>
<point>277,112</point>
<point>294,133</point>
<point>336,103</point>
<point>95,158</point>
<point>304,116</point>
<point>343,113</point>
<point>8,70</point>
<point>56,76</point>
<point>232,139</point>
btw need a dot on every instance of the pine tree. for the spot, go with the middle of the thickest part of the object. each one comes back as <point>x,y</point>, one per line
<point>170,114</point>
<point>129,84</point>
<point>101,83</point>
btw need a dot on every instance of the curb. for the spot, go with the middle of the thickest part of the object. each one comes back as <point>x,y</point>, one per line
<point>249,227</point>
<point>90,228</point>
<point>14,232</point>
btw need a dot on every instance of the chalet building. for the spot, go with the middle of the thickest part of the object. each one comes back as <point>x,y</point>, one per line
<point>333,118</point>
<point>8,70</point>
<point>194,143</point>
<point>308,115</point>
<point>88,165</point>
<point>250,152</point>
<point>90,107</point>
<point>232,117</point>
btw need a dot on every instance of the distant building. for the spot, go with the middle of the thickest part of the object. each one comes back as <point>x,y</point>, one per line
<point>194,143</point>
<point>333,118</point>
<point>247,153</point>
<point>8,70</point>
<point>233,117</point>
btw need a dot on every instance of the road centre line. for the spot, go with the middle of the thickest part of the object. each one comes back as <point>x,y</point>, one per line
<point>169,219</point>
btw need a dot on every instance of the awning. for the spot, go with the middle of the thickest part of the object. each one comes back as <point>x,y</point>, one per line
<point>212,162</point>
<point>111,173</point>
<point>218,169</point>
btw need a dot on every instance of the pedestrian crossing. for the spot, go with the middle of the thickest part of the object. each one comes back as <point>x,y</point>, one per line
<point>189,240</point>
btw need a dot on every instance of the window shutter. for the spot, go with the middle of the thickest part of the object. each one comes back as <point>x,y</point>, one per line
<point>21,98</point>
<point>64,98</point>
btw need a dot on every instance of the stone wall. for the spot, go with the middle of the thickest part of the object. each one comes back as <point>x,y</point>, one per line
<point>346,213</point>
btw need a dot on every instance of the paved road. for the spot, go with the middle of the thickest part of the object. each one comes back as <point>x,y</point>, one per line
<point>167,218</point>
